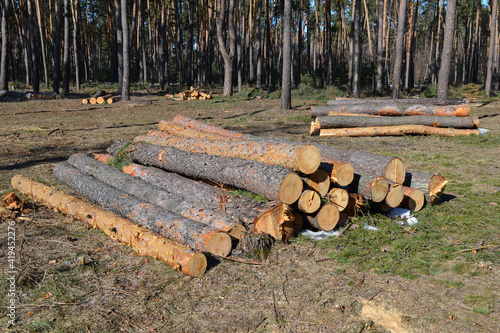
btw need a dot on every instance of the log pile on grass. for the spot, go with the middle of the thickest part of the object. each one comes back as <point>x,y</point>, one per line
<point>191,94</point>
<point>101,97</point>
<point>173,190</point>
<point>393,117</point>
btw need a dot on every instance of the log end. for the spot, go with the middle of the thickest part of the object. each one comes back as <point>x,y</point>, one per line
<point>309,202</point>
<point>328,217</point>
<point>237,231</point>
<point>436,188</point>
<point>344,174</point>
<point>277,222</point>
<point>290,188</point>
<point>319,181</point>
<point>197,265</point>
<point>414,199</point>
<point>395,171</point>
<point>338,197</point>
<point>85,101</point>
<point>379,189</point>
<point>395,195</point>
<point>315,127</point>
<point>219,244</point>
<point>309,159</point>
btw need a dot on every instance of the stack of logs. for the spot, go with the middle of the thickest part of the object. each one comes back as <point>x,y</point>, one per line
<point>174,202</point>
<point>389,117</point>
<point>100,97</point>
<point>191,94</point>
<point>27,95</point>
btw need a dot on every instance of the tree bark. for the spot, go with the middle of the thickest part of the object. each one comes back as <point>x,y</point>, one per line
<point>395,131</point>
<point>198,236</point>
<point>75,10</point>
<point>179,39</point>
<point>119,43</point>
<point>125,93</point>
<point>370,101</point>
<point>302,158</point>
<point>271,181</point>
<point>447,53</point>
<point>357,50</point>
<point>4,77</point>
<point>66,59</point>
<point>398,62</point>
<point>227,56</point>
<point>57,49</point>
<point>141,239</point>
<point>141,189</point>
<point>492,47</point>
<point>374,121</point>
<point>286,86</point>
<point>393,109</point>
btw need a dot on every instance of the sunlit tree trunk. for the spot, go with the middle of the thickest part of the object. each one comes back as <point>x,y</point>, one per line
<point>231,40</point>
<point>286,84</point>
<point>449,33</point>
<point>492,47</point>
<point>398,62</point>
<point>66,59</point>
<point>57,49</point>
<point>126,53</point>
<point>5,42</point>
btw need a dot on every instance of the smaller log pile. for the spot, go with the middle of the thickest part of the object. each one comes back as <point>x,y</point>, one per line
<point>26,95</point>
<point>390,117</point>
<point>191,94</point>
<point>100,97</point>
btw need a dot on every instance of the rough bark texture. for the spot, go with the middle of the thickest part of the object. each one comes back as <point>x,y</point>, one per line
<point>431,184</point>
<point>204,127</point>
<point>326,218</point>
<point>393,109</point>
<point>447,52</point>
<point>183,131</point>
<point>142,240</point>
<point>197,236</point>
<point>143,190</point>
<point>5,42</point>
<point>302,158</point>
<point>491,50</point>
<point>371,121</point>
<point>376,101</point>
<point>286,84</point>
<point>395,131</point>
<point>272,181</point>
<point>398,62</point>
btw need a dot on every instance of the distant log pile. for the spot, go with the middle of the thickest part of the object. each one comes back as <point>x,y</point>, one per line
<point>190,94</point>
<point>100,97</point>
<point>26,95</point>
<point>392,117</point>
<point>178,192</point>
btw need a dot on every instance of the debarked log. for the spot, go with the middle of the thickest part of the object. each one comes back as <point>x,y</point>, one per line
<point>198,236</point>
<point>142,240</point>
<point>143,190</point>
<point>301,158</point>
<point>342,121</point>
<point>270,217</point>
<point>395,131</point>
<point>272,181</point>
<point>393,109</point>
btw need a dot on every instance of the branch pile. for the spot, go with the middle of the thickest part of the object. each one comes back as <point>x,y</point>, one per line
<point>190,94</point>
<point>172,190</point>
<point>390,117</point>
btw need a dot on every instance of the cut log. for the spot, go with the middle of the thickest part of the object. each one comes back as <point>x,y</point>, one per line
<point>85,101</point>
<point>113,99</point>
<point>355,205</point>
<point>99,93</point>
<point>414,199</point>
<point>371,121</point>
<point>319,181</point>
<point>180,130</point>
<point>395,195</point>
<point>431,184</point>
<point>338,197</point>
<point>143,190</point>
<point>198,236</point>
<point>340,173</point>
<point>257,216</point>
<point>272,181</point>
<point>326,219</point>
<point>309,202</point>
<point>301,158</point>
<point>371,188</point>
<point>394,109</point>
<point>395,131</point>
<point>367,163</point>
<point>204,127</point>
<point>103,99</point>
<point>142,240</point>
<point>385,101</point>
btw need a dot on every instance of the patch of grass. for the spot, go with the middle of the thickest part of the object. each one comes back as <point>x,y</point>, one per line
<point>40,326</point>
<point>483,305</point>
<point>303,118</point>
<point>243,193</point>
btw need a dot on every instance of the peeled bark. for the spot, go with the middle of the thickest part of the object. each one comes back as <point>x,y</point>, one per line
<point>197,236</point>
<point>302,158</point>
<point>142,240</point>
<point>326,218</point>
<point>393,109</point>
<point>395,131</point>
<point>272,181</point>
<point>431,184</point>
<point>141,189</point>
<point>342,121</point>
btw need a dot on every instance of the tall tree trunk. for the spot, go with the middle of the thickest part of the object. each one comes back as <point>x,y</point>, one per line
<point>437,53</point>
<point>258,26</point>
<point>179,48</point>
<point>119,43</point>
<point>4,77</point>
<point>76,47</point>
<point>66,59</point>
<point>227,56</point>
<point>42,43</point>
<point>126,53</point>
<point>161,47</point>
<point>409,43</point>
<point>35,66</point>
<point>190,44</point>
<point>357,51</point>
<point>286,87</point>
<point>57,49</point>
<point>396,80</point>
<point>492,47</point>
<point>449,33</point>
<point>380,47</point>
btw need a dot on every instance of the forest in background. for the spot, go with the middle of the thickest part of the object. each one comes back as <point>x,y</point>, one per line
<point>351,45</point>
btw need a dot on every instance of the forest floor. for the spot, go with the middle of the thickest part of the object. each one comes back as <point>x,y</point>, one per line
<point>441,275</point>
